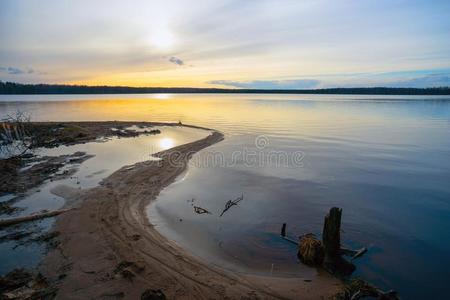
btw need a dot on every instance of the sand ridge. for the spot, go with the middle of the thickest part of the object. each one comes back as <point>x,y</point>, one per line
<point>109,250</point>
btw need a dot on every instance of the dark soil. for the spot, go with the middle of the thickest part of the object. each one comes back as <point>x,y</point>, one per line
<point>52,134</point>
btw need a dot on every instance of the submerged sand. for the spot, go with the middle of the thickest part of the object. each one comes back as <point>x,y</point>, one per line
<point>110,250</point>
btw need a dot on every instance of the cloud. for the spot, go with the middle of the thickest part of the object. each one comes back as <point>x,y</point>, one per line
<point>16,71</point>
<point>270,84</point>
<point>176,60</point>
<point>432,80</point>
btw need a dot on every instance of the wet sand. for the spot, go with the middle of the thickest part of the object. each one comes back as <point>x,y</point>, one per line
<point>108,249</point>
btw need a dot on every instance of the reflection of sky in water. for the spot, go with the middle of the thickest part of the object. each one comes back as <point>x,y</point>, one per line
<point>386,163</point>
<point>110,156</point>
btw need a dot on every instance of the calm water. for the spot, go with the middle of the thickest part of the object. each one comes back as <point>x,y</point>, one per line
<point>384,159</point>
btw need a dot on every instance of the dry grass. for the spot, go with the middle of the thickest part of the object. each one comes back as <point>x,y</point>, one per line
<point>310,250</point>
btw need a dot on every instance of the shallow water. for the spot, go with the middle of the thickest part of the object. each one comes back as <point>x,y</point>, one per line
<point>109,155</point>
<point>384,159</point>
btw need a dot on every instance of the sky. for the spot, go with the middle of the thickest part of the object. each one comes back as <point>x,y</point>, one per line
<point>288,44</point>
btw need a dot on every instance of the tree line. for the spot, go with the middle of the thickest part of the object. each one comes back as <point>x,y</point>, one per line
<point>20,88</point>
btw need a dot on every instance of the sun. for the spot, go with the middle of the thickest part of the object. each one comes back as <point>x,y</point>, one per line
<point>166,143</point>
<point>162,39</point>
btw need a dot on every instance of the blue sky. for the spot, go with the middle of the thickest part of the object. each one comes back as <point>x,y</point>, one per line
<point>250,44</point>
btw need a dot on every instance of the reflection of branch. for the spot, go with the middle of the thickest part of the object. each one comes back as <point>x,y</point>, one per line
<point>200,210</point>
<point>230,203</point>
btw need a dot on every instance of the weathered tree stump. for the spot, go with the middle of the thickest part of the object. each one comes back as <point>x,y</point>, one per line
<point>327,253</point>
<point>331,235</point>
<point>331,239</point>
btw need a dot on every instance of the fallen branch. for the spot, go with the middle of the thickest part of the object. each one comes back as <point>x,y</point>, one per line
<point>43,215</point>
<point>353,254</point>
<point>283,235</point>
<point>199,210</point>
<point>230,203</point>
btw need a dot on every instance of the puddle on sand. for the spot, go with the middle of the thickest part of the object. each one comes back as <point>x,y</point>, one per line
<point>109,155</point>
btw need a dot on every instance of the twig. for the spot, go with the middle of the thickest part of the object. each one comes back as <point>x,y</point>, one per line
<point>230,203</point>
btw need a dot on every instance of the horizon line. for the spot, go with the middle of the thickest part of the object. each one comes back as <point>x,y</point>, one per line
<point>9,87</point>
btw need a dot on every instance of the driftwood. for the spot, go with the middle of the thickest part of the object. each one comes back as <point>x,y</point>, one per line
<point>283,235</point>
<point>359,289</point>
<point>230,203</point>
<point>199,210</point>
<point>33,217</point>
<point>353,254</point>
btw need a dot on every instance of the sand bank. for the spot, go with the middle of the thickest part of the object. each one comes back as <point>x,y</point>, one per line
<point>108,249</point>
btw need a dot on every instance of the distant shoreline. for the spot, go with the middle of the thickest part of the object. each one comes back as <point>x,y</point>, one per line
<point>11,88</point>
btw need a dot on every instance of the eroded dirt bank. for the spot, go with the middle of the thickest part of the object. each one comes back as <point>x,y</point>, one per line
<point>109,250</point>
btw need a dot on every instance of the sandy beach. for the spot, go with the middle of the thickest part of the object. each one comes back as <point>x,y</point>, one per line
<point>108,249</point>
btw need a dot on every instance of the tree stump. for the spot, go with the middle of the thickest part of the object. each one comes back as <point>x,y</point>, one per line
<point>331,235</point>
<point>331,239</point>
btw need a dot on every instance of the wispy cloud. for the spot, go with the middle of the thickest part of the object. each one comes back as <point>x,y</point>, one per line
<point>270,84</point>
<point>16,71</point>
<point>432,80</point>
<point>176,60</point>
<point>403,79</point>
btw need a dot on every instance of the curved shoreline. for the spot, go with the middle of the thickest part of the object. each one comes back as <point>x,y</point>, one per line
<point>109,249</point>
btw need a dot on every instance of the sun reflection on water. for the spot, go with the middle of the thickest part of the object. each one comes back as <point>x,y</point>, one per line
<point>166,143</point>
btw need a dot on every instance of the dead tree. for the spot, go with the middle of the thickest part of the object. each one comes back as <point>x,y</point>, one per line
<point>331,235</point>
<point>331,240</point>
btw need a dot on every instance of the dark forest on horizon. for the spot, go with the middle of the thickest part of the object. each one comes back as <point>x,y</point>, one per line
<point>30,89</point>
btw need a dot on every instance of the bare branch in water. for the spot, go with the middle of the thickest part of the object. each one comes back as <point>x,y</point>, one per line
<point>230,203</point>
<point>199,210</point>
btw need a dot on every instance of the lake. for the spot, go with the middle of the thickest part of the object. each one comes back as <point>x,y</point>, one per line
<point>384,159</point>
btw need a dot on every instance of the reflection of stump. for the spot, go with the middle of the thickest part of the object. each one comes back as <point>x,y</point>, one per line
<point>331,236</point>
<point>310,250</point>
